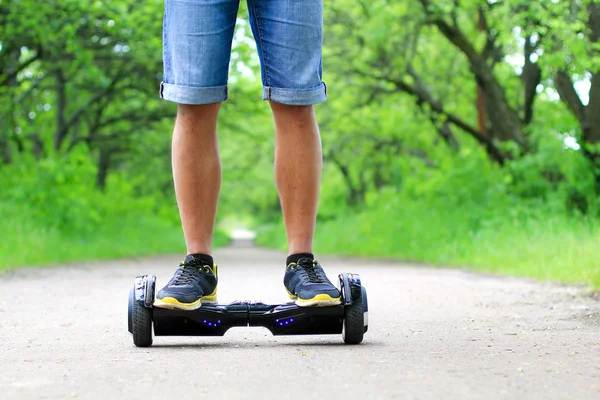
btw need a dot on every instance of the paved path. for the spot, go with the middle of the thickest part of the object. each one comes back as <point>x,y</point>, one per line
<point>434,334</point>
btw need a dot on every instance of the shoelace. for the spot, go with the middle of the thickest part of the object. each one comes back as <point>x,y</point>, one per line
<point>186,274</point>
<point>308,266</point>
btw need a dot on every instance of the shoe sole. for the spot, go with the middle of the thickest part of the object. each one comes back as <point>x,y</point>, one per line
<point>320,300</point>
<point>172,303</point>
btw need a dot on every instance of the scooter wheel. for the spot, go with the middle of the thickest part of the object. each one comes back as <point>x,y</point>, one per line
<point>354,324</point>
<point>141,324</point>
<point>130,310</point>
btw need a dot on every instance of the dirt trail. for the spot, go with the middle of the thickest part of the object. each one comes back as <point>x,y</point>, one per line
<point>433,334</point>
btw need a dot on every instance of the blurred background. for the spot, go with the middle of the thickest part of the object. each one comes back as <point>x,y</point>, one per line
<point>457,133</point>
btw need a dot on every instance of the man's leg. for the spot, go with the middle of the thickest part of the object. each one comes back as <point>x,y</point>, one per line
<point>197,176</point>
<point>297,172</point>
<point>197,41</point>
<point>197,173</point>
<point>289,37</point>
<point>298,162</point>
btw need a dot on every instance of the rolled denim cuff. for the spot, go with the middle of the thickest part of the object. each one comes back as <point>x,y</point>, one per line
<point>296,97</point>
<point>193,95</point>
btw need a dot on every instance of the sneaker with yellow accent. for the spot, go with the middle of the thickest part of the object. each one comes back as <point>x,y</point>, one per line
<point>192,285</point>
<point>307,283</point>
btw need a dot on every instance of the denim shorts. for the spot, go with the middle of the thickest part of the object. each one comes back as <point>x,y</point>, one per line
<point>197,37</point>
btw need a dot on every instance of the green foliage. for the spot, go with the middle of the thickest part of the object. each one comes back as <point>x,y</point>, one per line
<point>456,133</point>
<point>465,216</point>
<point>84,138</point>
<point>52,213</point>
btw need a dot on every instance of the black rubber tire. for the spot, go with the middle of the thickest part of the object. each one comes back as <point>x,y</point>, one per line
<point>142,325</point>
<point>130,311</point>
<point>365,308</point>
<point>354,323</point>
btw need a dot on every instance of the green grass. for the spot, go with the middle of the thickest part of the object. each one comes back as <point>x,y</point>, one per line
<point>23,242</point>
<point>511,242</point>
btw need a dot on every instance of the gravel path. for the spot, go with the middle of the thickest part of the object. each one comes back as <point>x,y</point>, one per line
<point>433,334</point>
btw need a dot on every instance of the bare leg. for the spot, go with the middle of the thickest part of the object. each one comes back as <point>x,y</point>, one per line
<point>298,161</point>
<point>197,173</point>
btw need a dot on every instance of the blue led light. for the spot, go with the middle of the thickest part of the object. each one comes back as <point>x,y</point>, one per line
<point>219,321</point>
<point>204,321</point>
<point>276,320</point>
<point>281,324</point>
<point>286,322</point>
<point>292,320</point>
<point>209,324</point>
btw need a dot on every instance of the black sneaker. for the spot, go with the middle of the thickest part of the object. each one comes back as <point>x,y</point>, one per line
<point>307,283</point>
<point>192,284</point>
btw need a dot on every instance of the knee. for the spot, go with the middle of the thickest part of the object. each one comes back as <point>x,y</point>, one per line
<point>296,113</point>
<point>197,112</point>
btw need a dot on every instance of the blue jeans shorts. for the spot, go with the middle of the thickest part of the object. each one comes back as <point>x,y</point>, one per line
<point>197,37</point>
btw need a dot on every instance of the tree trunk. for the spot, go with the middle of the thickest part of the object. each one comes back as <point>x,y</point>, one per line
<point>503,118</point>
<point>61,106</point>
<point>588,116</point>
<point>591,129</point>
<point>103,168</point>
<point>355,194</point>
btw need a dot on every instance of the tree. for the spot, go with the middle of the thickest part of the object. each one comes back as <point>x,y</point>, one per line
<point>472,67</point>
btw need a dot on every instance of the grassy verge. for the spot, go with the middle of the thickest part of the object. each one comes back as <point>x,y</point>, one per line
<point>23,242</point>
<point>547,247</point>
<point>51,212</point>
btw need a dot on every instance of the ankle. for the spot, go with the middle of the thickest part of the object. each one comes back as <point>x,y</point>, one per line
<point>293,258</point>
<point>199,247</point>
<point>205,258</point>
<point>300,245</point>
